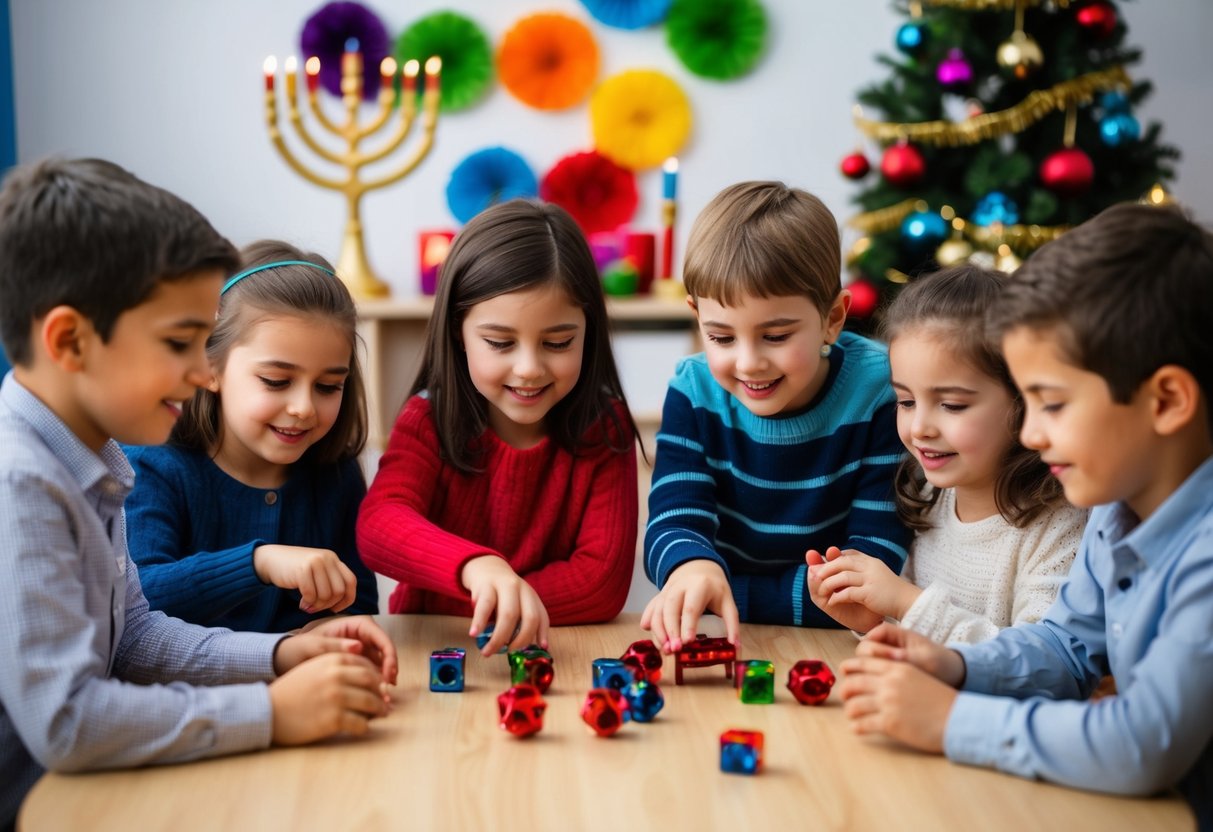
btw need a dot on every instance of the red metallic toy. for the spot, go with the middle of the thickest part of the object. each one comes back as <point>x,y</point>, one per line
<point>521,709</point>
<point>810,681</point>
<point>644,660</point>
<point>705,652</point>
<point>605,710</point>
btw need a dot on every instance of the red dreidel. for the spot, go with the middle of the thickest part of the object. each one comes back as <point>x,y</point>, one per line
<point>521,709</point>
<point>810,681</point>
<point>644,660</point>
<point>605,710</point>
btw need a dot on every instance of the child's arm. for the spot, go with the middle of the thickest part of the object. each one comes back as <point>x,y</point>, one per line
<point>352,491</point>
<point>873,527</point>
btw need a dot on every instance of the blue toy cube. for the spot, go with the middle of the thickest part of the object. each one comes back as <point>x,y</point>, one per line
<point>610,673</point>
<point>741,751</point>
<point>644,700</point>
<point>446,670</point>
<point>484,637</point>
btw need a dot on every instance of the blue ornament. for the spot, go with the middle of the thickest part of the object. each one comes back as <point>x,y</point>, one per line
<point>995,207</point>
<point>923,231</point>
<point>1118,129</point>
<point>911,38</point>
<point>1114,101</point>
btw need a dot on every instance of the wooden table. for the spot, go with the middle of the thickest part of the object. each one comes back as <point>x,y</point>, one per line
<point>440,762</point>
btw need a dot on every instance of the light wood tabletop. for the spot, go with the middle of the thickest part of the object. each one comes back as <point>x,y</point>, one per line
<point>439,761</point>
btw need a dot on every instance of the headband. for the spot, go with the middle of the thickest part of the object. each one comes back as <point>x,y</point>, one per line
<point>237,278</point>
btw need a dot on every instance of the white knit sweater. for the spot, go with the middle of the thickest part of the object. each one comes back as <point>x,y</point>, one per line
<point>980,577</point>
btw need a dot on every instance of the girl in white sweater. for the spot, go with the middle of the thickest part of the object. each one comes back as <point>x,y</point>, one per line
<point>995,535</point>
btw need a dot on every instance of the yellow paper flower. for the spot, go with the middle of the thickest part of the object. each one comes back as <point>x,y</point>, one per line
<point>639,118</point>
<point>548,61</point>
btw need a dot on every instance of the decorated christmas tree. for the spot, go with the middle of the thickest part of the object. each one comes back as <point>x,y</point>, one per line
<point>1003,124</point>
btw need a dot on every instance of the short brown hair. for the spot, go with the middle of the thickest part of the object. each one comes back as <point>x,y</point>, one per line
<point>764,239</point>
<point>1127,292</point>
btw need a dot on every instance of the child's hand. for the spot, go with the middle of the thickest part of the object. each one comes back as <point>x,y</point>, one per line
<point>849,614</point>
<point>693,587</point>
<point>321,578</point>
<point>325,695</point>
<point>898,644</point>
<point>335,634</point>
<point>896,699</point>
<point>853,578</point>
<point>495,586</point>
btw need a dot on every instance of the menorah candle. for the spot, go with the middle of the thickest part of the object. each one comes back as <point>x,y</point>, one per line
<point>270,66</point>
<point>351,59</point>
<point>311,68</point>
<point>669,178</point>
<point>289,68</point>
<point>411,68</point>
<point>387,73</point>
<point>433,74</point>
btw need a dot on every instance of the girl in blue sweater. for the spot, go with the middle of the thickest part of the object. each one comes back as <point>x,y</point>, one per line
<point>246,518</point>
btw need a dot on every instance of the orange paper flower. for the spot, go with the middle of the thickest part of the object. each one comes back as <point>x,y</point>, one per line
<point>640,117</point>
<point>548,61</point>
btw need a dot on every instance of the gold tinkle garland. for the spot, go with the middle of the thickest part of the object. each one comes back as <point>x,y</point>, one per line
<point>988,5</point>
<point>1035,106</point>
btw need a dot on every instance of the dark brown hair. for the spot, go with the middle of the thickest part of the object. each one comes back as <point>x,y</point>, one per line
<point>300,291</point>
<point>88,234</point>
<point>764,239</point>
<point>510,247</point>
<point>1125,293</point>
<point>952,304</point>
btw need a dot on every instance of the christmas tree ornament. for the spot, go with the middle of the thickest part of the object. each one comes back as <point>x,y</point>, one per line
<point>1157,195</point>
<point>1118,129</point>
<point>864,298</point>
<point>1114,101</point>
<point>956,249</point>
<point>912,38</point>
<point>1006,261</point>
<point>954,72</point>
<point>995,207</point>
<point>855,165</point>
<point>902,165</point>
<point>922,232</point>
<point>1068,172</point>
<point>1097,19</point>
<point>1021,55</point>
<point>974,107</point>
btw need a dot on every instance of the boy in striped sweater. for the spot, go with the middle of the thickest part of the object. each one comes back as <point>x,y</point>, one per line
<point>780,437</point>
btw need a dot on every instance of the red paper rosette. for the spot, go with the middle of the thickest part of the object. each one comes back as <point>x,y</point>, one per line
<point>599,194</point>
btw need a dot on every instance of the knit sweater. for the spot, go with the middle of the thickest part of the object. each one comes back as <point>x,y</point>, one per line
<point>753,493</point>
<point>192,530</point>
<point>566,523</point>
<point>982,576</point>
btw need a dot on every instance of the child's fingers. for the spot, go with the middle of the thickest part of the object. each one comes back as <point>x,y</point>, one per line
<point>671,614</point>
<point>646,617</point>
<point>349,588</point>
<point>813,558</point>
<point>324,587</point>
<point>656,621</point>
<point>528,622</point>
<point>693,605</point>
<point>505,630</point>
<point>307,591</point>
<point>483,604</point>
<point>544,623</point>
<point>833,552</point>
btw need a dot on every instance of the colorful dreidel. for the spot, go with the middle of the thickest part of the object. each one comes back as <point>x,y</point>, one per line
<point>446,670</point>
<point>532,666</point>
<point>644,700</point>
<point>483,639</point>
<point>810,681</point>
<point>644,660</point>
<point>521,710</point>
<point>755,681</point>
<point>705,652</point>
<point>741,751</point>
<point>610,673</point>
<point>605,710</point>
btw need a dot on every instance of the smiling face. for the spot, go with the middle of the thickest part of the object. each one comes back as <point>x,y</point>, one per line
<point>766,352</point>
<point>280,392</point>
<point>952,417</point>
<point>524,352</point>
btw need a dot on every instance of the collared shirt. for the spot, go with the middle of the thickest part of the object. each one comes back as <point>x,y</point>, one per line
<point>1139,604</point>
<point>89,676</point>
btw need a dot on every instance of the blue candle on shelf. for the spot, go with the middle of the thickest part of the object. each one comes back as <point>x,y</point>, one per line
<point>669,178</point>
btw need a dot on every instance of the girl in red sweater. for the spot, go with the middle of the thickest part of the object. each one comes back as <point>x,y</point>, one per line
<point>508,488</point>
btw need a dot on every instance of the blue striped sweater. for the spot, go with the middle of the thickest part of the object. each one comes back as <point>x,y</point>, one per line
<point>753,493</point>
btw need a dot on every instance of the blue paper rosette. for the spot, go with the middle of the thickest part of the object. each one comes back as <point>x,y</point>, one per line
<point>487,177</point>
<point>628,14</point>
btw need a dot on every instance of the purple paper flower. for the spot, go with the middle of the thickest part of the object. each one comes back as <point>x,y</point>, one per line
<point>326,33</point>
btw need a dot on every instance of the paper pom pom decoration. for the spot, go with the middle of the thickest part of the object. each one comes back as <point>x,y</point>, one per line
<point>326,33</point>
<point>548,61</point>
<point>487,177</point>
<point>628,14</point>
<point>718,39</point>
<point>640,117</point>
<point>598,193</point>
<point>467,60</point>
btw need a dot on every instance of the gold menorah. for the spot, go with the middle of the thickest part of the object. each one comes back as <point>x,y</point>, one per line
<point>352,266</point>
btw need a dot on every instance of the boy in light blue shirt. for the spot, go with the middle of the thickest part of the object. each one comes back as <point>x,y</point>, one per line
<point>1108,332</point>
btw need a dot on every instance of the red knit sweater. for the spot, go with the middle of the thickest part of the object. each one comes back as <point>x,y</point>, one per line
<point>565,523</point>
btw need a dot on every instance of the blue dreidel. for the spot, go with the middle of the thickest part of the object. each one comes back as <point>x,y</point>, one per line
<point>610,673</point>
<point>741,751</point>
<point>446,670</point>
<point>644,700</point>
<point>484,637</point>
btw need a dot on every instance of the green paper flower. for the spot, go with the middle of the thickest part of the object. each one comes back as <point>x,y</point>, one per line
<point>467,58</point>
<point>718,39</point>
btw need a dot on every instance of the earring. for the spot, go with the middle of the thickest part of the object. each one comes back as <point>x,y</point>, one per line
<point>825,350</point>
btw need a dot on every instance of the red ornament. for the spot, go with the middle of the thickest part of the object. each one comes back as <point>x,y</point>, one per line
<point>810,681</point>
<point>605,710</point>
<point>864,298</point>
<point>1097,19</point>
<point>1068,172</point>
<point>521,710</point>
<point>902,165</point>
<point>644,660</point>
<point>855,166</point>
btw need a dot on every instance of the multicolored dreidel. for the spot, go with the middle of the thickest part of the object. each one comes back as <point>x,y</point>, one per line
<point>644,700</point>
<point>532,666</point>
<point>741,751</point>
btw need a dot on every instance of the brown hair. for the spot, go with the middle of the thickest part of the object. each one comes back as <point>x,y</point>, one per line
<point>88,234</point>
<point>514,246</point>
<point>766,240</point>
<point>952,303</point>
<point>290,290</point>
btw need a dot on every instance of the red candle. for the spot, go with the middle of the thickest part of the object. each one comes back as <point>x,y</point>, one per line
<point>387,71</point>
<point>270,66</point>
<point>433,74</point>
<point>667,252</point>
<point>411,68</point>
<point>312,68</point>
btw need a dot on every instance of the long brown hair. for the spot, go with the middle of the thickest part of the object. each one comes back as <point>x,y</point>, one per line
<point>510,247</point>
<point>953,303</point>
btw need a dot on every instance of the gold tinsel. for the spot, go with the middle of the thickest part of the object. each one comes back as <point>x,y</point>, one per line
<point>1035,106</point>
